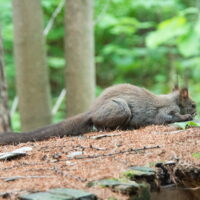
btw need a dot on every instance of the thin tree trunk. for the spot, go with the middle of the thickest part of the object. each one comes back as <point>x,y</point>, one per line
<point>79,54</point>
<point>4,111</point>
<point>32,74</point>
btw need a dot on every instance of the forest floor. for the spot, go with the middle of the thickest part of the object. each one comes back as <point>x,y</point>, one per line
<point>72,162</point>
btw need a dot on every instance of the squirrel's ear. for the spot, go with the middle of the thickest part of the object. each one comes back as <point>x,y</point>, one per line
<point>176,85</point>
<point>184,93</point>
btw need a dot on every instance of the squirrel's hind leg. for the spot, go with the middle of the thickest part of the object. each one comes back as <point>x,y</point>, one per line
<point>113,114</point>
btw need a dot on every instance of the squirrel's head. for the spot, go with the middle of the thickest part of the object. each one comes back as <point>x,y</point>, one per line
<point>186,104</point>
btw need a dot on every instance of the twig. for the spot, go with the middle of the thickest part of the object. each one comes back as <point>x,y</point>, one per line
<point>12,178</point>
<point>14,106</point>
<point>115,153</point>
<point>52,19</point>
<point>104,135</point>
<point>98,148</point>
<point>59,101</point>
<point>170,132</point>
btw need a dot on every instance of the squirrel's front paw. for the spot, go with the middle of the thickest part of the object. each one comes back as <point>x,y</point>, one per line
<point>187,117</point>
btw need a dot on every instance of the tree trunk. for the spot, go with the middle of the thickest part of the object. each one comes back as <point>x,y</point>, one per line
<point>79,55</point>
<point>30,54</point>
<point>4,111</point>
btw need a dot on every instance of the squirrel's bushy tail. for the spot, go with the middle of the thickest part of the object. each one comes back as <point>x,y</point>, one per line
<point>73,126</point>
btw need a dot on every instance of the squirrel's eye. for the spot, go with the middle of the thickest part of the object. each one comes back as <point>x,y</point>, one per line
<point>193,106</point>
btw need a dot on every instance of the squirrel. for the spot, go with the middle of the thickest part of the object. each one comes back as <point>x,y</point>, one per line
<point>122,107</point>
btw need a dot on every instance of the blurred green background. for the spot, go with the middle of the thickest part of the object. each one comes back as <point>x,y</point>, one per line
<point>139,42</point>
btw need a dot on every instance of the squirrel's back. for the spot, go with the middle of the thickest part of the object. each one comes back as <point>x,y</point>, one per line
<point>132,94</point>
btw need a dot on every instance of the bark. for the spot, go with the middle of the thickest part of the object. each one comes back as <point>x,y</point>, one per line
<point>30,56</point>
<point>4,111</point>
<point>79,54</point>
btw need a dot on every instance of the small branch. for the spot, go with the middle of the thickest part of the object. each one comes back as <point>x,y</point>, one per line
<point>14,106</point>
<point>12,178</point>
<point>59,101</point>
<point>116,153</point>
<point>52,19</point>
<point>170,132</point>
<point>98,148</point>
<point>104,135</point>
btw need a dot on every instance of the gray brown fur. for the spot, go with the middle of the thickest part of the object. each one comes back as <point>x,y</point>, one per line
<point>122,106</point>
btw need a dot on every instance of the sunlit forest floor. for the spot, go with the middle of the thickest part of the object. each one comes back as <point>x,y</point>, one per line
<point>74,161</point>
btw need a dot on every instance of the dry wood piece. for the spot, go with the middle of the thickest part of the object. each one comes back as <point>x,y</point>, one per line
<point>16,153</point>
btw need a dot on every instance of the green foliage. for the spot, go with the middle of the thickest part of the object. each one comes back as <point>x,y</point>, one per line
<point>122,54</point>
<point>185,34</point>
<point>184,125</point>
<point>56,62</point>
<point>139,42</point>
<point>164,33</point>
<point>196,155</point>
<point>16,122</point>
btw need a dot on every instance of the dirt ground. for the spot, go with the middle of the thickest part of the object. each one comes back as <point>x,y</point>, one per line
<point>74,161</point>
